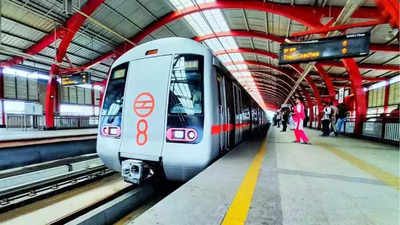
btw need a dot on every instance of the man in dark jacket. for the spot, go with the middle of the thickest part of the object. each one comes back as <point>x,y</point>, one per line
<point>285,119</point>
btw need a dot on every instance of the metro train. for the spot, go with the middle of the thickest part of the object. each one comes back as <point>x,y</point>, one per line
<point>171,108</point>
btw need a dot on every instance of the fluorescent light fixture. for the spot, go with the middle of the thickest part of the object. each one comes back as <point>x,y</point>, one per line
<point>214,44</point>
<point>78,110</point>
<point>378,85</point>
<point>224,59</point>
<point>23,73</point>
<point>89,86</point>
<point>228,42</point>
<point>11,106</point>
<point>241,66</point>
<point>216,20</point>
<point>394,79</point>
<point>246,74</point>
<point>198,24</point>
<point>236,56</point>
<point>231,67</point>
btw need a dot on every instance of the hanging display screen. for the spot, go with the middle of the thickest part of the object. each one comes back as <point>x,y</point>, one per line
<point>75,79</point>
<point>352,45</point>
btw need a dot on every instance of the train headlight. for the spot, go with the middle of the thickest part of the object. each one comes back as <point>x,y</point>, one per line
<point>191,135</point>
<point>111,131</point>
<point>181,134</point>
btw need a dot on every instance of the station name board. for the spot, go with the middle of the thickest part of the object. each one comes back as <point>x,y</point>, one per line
<point>75,79</point>
<point>351,45</point>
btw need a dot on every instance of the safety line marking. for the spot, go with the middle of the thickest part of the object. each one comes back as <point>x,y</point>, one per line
<point>387,178</point>
<point>237,213</point>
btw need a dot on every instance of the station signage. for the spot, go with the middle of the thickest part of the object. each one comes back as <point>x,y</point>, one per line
<point>75,79</point>
<point>351,45</point>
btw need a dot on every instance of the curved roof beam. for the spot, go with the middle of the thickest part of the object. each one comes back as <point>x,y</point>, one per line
<point>279,39</point>
<point>260,83</point>
<point>282,71</point>
<point>264,72</point>
<point>263,64</point>
<point>323,63</point>
<point>67,32</point>
<point>270,92</point>
<point>307,15</point>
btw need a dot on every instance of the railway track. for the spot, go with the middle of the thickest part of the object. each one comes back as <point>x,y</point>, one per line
<point>25,188</point>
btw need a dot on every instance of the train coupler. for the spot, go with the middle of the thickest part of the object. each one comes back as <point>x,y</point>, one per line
<point>135,171</point>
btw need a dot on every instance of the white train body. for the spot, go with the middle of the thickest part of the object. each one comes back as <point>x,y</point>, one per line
<point>170,108</point>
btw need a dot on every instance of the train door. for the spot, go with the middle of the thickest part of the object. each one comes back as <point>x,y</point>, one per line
<point>226,113</point>
<point>230,110</point>
<point>236,103</point>
<point>220,112</point>
<point>146,95</point>
<point>239,111</point>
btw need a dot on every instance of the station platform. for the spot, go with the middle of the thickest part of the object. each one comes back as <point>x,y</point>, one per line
<point>15,134</point>
<point>25,147</point>
<point>336,180</point>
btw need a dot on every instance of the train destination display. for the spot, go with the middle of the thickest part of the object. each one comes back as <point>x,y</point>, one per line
<point>75,79</point>
<point>351,45</point>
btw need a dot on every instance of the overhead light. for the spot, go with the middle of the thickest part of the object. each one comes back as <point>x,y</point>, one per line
<point>224,58</point>
<point>228,42</point>
<point>24,73</point>
<point>214,44</point>
<point>378,85</point>
<point>394,79</point>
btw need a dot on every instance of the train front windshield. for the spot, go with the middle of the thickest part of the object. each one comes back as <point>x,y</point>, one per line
<point>185,103</point>
<point>114,97</point>
<point>186,89</point>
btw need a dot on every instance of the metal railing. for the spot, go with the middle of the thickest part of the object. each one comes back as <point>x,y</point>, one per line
<point>383,128</point>
<point>26,121</point>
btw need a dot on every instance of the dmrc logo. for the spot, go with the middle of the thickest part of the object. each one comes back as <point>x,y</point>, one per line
<point>143,107</point>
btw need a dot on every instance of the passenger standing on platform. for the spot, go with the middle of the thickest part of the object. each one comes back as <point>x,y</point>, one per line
<point>285,119</point>
<point>326,120</point>
<point>278,119</point>
<point>334,115</point>
<point>298,118</point>
<point>342,115</point>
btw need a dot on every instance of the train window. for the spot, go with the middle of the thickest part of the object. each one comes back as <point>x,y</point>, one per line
<point>113,100</point>
<point>186,88</point>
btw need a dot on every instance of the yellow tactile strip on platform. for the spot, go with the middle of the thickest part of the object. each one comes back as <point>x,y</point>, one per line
<point>237,213</point>
<point>387,178</point>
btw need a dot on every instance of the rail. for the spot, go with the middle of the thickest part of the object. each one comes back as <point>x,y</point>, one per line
<point>27,121</point>
<point>16,194</point>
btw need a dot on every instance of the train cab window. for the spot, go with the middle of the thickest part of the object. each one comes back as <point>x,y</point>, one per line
<point>113,100</point>
<point>186,88</point>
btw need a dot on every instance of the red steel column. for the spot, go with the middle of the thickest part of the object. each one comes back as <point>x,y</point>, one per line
<point>328,82</point>
<point>72,26</point>
<point>360,97</point>
<point>3,114</point>
<point>51,95</point>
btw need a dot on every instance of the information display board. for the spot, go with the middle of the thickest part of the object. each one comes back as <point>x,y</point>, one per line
<point>351,45</point>
<point>75,79</point>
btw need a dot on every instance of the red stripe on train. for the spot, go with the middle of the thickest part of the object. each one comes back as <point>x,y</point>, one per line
<point>216,129</point>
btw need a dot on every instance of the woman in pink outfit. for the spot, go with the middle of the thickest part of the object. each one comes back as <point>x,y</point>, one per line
<point>298,118</point>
